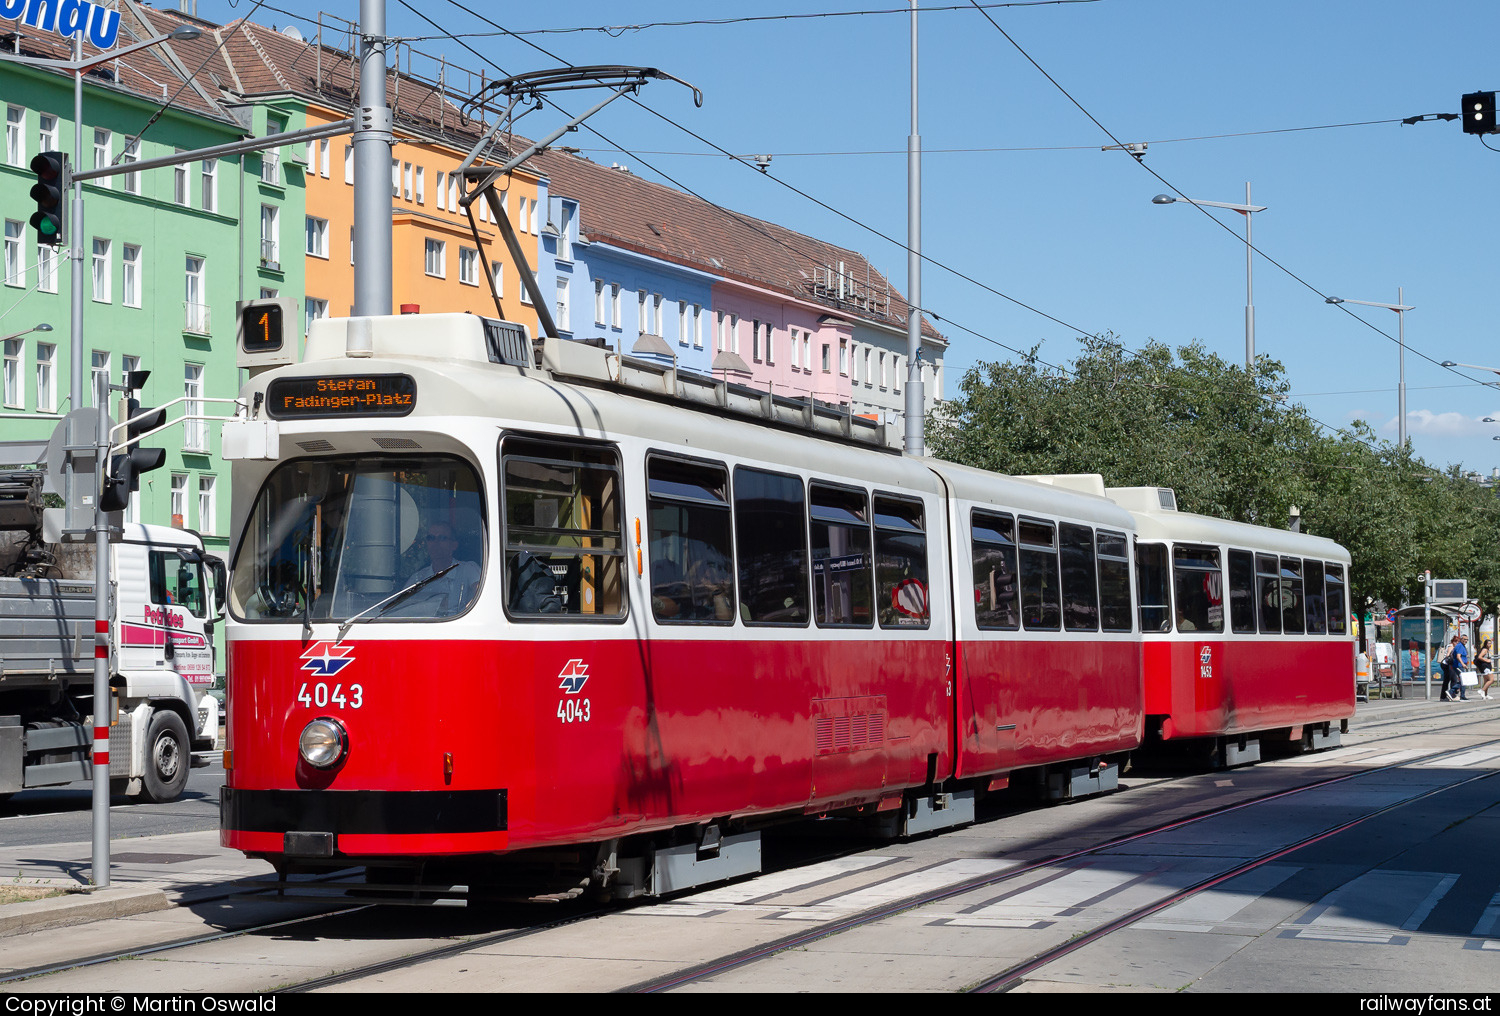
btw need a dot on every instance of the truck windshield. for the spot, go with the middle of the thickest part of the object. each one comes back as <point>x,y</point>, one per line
<point>329,539</point>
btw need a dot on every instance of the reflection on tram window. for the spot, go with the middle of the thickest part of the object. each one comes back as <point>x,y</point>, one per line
<point>1268,593</point>
<point>770,526</point>
<point>1242,591</point>
<point>1041,602</point>
<point>335,539</point>
<point>564,556</point>
<point>1337,604</point>
<point>1291,595</point>
<point>1198,587</point>
<point>1080,589</point>
<point>996,586</point>
<point>1114,582</point>
<point>900,563</point>
<point>1317,606</point>
<point>1152,578</point>
<point>840,536</point>
<point>692,553</point>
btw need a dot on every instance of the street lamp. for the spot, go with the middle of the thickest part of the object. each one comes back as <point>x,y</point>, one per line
<point>1400,309</point>
<point>43,327</point>
<point>1246,209</point>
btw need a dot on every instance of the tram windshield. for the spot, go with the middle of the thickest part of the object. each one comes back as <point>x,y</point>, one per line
<point>333,539</point>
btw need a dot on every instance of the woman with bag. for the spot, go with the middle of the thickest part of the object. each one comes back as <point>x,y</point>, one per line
<point>1484,663</point>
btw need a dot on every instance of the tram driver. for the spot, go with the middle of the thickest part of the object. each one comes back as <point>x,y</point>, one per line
<point>451,593</point>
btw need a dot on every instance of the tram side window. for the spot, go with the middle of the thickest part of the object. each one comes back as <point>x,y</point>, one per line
<point>1041,606</point>
<point>840,528</point>
<point>1114,581</point>
<point>1198,582</point>
<point>995,581</point>
<point>1242,591</point>
<point>1333,580</point>
<point>1317,604</point>
<point>770,528</point>
<point>1291,595</point>
<point>692,551</point>
<point>1153,581</point>
<point>1080,581</point>
<point>564,555</point>
<point>901,596</point>
<point>1268,593</point>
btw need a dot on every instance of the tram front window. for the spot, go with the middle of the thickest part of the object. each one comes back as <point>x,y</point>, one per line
<point>380,537</point>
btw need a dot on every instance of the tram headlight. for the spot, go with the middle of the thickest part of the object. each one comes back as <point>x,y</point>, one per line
<point>323,742</point>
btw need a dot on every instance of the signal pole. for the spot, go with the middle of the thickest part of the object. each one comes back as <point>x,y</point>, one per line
<point>373,141</point>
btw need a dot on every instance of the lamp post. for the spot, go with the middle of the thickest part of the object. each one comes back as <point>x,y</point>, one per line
<point>1400,310</point>
<point>43,327</point>
<point>1247,210</point>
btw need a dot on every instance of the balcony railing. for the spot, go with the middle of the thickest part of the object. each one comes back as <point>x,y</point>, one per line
<point>195,318</point>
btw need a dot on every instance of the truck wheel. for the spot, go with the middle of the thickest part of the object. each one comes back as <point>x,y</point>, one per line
<point>167,758</point>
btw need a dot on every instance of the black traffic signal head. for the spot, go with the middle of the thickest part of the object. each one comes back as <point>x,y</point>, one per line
<point>51,182</point>
<point>1478,110</point>
<point>125,469</point>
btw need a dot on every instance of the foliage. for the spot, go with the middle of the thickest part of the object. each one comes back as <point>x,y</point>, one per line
<point>1232,446</point>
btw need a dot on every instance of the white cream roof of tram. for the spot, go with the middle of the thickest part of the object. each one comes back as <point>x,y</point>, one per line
<point>1017,494</point>
<point>1188,528</point>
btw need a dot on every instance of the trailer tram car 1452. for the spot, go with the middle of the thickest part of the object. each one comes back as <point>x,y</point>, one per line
<point>1275,669</point>
<point>494,612</point>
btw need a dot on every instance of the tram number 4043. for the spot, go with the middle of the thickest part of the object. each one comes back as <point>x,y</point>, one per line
<point>321,695</point>
<point>571,710</point>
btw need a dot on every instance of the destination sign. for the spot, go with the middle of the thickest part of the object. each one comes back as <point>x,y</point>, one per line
<point>341,395</point>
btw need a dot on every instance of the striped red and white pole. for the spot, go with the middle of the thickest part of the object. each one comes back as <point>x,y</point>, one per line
<point>101,732</point>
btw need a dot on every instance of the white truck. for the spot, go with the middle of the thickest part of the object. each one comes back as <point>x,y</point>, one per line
<point>165,595</point>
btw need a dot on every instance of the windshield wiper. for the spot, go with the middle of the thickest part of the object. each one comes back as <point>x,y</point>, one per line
<point>392,600</point>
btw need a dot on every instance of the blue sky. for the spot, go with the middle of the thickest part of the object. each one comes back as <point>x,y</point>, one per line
<point>1047,218</point>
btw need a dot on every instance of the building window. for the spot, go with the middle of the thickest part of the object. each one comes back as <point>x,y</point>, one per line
<point>207,504</point>
<point>796,355</point>
<point>421,186</point>
<point>770,347</point>
<point>47,132</point>
<point>179,498</point>
<point>13,367</point>
<point>131,153</point>
<point>897,370</point>
<point>270,159</point>
<point>642,319</point>
<point>15,267</point>
<point>130,275</point>
<point>195,432</point>
<point>697,326</point>
<point>614,305</point>
<point>270,237</point>
<point>827,359</point>
<point>442,194</point>
<point>195,302</point>
<point>15,135</point>
<point>323,158</point>
<point>317,237</point>
<point>565,230</point>
<point>656,326</point>
<point>755,340</point>
<point>562,322</point>
<point>522,220</point>
<point>99,378</point>
<point>101,270</point>
<point>315,310</point>
<point>349,164</point>
<point>599,310</point>
<point>209,185</point>
<point>179,182</point>
<point>437,258</point>
<point>453,196</point>
<point>468,266</point>
<point>683,323</point>
<point>46,268</point>
<point>46,377</point>
<point>406,175</point>
<point>127,365</point>
<point>497,272</point>
<point>101,153</point>
<point>844,357</point>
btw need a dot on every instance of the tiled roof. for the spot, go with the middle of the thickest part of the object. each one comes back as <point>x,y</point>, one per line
<point>622,209</point>
<point>156,74</point>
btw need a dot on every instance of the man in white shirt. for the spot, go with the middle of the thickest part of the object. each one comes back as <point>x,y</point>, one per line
<point>451,593</point>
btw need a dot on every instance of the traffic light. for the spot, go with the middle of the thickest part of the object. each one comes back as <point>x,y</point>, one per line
<point>126,468</point>
<point>1478,109</point>
<point>51,169</point>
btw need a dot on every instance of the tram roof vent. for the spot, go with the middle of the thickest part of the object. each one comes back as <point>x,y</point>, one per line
<point>1143,499</point>
<point>564,358</point>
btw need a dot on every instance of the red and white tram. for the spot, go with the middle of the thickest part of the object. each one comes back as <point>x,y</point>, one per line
<point>1246,631</point>
<point>590,609</point>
